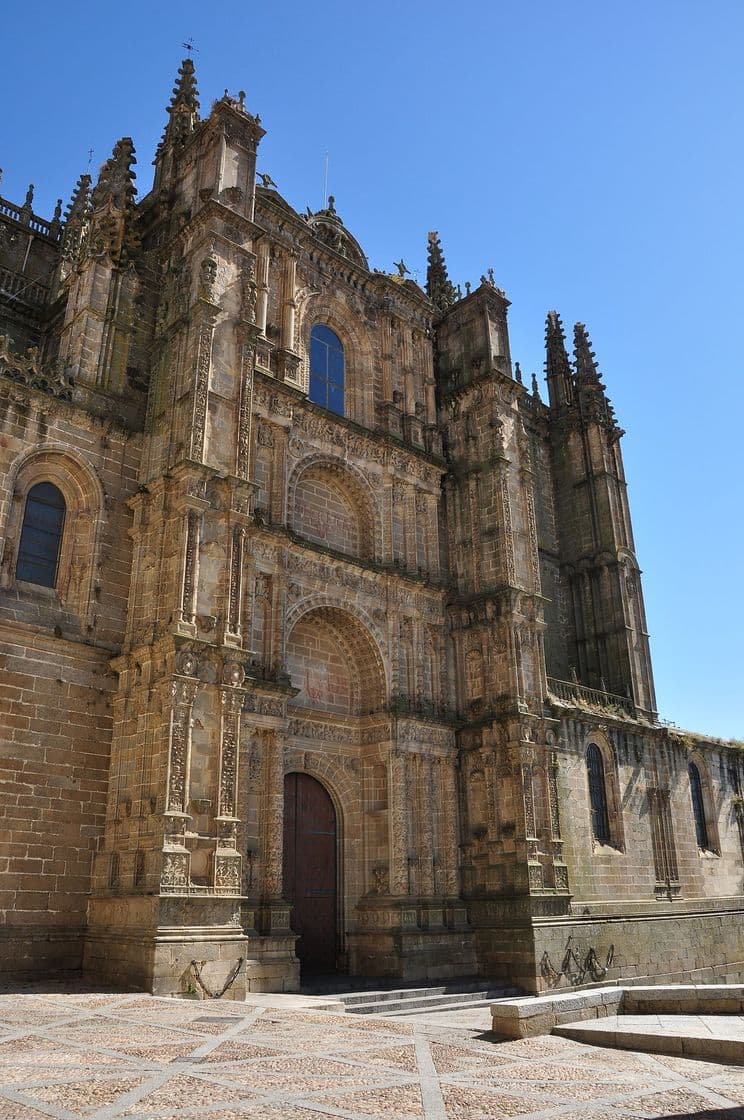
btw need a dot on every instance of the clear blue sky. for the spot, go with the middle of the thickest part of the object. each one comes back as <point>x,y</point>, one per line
<point>590,152</point>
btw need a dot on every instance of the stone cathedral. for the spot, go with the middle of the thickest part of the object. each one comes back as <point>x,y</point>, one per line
<point>322,637</point>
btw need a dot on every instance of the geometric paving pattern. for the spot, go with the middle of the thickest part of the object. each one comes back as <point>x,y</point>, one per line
<point>73,1055</point>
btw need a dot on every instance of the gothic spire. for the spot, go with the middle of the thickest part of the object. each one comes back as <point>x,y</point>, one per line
<point>557,365</point>
<point>79,199</point>
<point>116,178</point>
<point>76,216</point>
<point>439,287</point>
<point>593,399</point>
<point>183,110</point>
<point>585,364</point>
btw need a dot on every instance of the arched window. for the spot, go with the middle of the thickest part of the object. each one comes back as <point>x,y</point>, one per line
<point>326,369</point>
<point>698,807</point>
<point>597,794</point>
<point>41,535</point>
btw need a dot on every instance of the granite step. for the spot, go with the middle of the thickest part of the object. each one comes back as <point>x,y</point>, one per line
<point>411,1001</point>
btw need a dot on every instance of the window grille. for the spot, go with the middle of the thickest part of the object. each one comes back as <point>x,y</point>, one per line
<point>41,535</point>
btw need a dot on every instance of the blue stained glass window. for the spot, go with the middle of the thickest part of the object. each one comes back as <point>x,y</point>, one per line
<point>597,794</point>
<point>326,369</point>
<point>41,535</point>
<point>698,807</point>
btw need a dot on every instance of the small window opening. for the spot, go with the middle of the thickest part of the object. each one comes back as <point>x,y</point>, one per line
<point>597,794</point>
<point>698,807</point>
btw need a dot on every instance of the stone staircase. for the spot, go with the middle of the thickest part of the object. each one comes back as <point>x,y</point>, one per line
<point>458,995</point>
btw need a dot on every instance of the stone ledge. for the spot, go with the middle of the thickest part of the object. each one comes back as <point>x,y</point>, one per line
<point>528,1016</point>
<point>682,1035</point>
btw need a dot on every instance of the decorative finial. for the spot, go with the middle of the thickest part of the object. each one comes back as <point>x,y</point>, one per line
<point>535,387</point>
<point>467,287</point>
<point>331,204</point>
<point>518,372</point>
<point>241,99</point>
<point>57,211</point>
<point>489,273</point>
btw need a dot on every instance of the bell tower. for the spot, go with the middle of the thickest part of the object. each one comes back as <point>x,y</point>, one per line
<point>606,631</point>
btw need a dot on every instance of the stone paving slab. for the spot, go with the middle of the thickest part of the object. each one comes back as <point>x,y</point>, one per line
<point>72,1055</point>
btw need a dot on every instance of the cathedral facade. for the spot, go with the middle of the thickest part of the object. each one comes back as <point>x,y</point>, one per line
<point>322,638</point>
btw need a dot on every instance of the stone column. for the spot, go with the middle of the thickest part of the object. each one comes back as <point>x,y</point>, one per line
<point>398,821</point>
<point>262,280</point>
<point>560,870</point>
<point>272,817</point>
<point>432,511</point>
<point>425,831</point>
<point>175,868</point>
<point>201,378</point>
<point>290,305</point>
<point>235,589</point>
<point>410,529</point>
<point>450,825</point>
<point>246,345</point>
<point>189,569</point>
<point>227,861</point>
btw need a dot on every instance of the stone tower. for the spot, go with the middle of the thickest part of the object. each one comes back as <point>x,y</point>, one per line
<point>606,641</point>
<point>170,864</point>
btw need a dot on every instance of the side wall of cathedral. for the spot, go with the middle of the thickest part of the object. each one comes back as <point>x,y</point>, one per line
<point>56,686</point>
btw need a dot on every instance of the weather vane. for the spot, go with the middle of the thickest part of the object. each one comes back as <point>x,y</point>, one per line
<point>90,157</point>
<point>189,46</point>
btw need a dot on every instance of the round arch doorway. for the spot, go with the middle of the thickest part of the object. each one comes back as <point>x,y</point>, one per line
<point>309,870</point>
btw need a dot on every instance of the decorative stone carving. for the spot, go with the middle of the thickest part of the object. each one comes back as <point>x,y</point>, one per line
<point>398,796</point>
<point>235,596</point>
<point>227,872</point>
<point>190,567</point>
<point>230,735</point>
<point>175,873</point>
<point>187,663</point>
<point>272,817</point>
<point>233,674</point>
<point>183,696</point>
<point>207,278</point>
<point>28,370</point>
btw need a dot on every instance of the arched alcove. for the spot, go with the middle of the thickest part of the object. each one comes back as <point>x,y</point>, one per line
<point>330,505</point>
<point>334,661</point>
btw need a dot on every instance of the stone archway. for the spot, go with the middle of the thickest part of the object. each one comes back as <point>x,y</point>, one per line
<point>309,872</point>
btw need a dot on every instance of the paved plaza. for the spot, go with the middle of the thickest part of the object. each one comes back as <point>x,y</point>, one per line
<point>73,1054</point>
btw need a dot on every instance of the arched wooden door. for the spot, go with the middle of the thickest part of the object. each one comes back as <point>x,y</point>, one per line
<point>309,870</point>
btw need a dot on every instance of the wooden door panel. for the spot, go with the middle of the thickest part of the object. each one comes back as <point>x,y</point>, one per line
<point>310,870</point>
